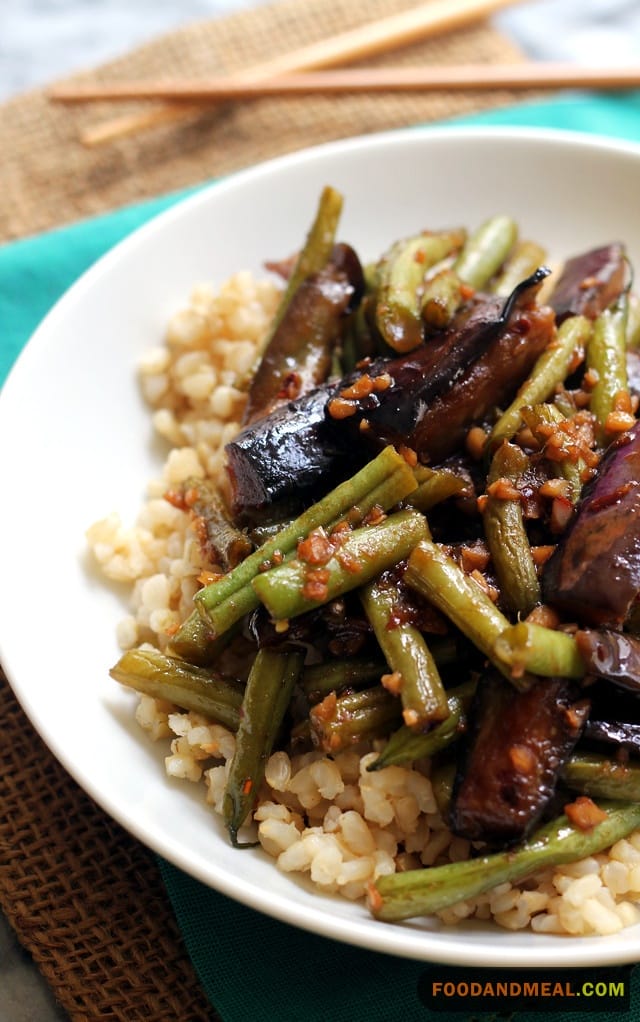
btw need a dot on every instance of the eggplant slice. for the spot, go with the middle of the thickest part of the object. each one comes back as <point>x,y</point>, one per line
<point>425,400</point>
<point>516,746</point>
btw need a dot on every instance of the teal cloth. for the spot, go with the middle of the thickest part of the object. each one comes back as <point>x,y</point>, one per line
<point>252,967</point>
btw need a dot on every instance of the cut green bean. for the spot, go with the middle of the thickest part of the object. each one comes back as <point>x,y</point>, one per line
<point>538,419</point>
<point>295,587</point>
<point>607,358</point>
<point>406,746</point>
<point>596,775</point>
<point>485,251</point>
<point>506,535</point>
<point>442,779</point>
<point>434,486</point>
<point>382,482</point>
<point>185,685</point>
<point>318,680</point>
<point>436,576</point>
<point>527,647</point>
<point>424,700</point>
<point>400,275</point>
<point>442,296</point>
<point>339,722</point>
<point>266,699</point>
<point>420,892</point>
<point>525,258</point>
<point>195,643</point>
<point>550,370</point>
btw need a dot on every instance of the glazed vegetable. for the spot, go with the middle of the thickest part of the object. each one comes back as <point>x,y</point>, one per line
<point>406,745</point>
<point>438,578</point>
<point>505,531</point>
<point>589,282</point>
<point>413,670</point>
<point>486,250</point>
<point>299,355</point>
<point>221,543</point>
<point>529,647</point>
<point>515,746</point>
<point>341,721</point>
<point>611,655</point>
<point>601,543</point>
<point>318,680</point>
<point>607,360</point>
<point>399,278</point>
<point>425,400</point>
<point>420,892</point>
<point>381,483</point>
<point>190,687</point>
<point>523,260</point>
<point>350,561</point>
<point>565,352</point>
<point>264,705</point>
<point>603,778</point>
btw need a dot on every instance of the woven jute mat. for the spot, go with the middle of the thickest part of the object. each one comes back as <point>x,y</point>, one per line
<point>47,177</point>
<point>86,899</point>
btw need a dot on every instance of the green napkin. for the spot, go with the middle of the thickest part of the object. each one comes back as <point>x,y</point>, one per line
<point>252,967</point>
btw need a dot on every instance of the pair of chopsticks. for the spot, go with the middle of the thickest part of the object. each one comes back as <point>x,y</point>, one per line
<point>300,73</point>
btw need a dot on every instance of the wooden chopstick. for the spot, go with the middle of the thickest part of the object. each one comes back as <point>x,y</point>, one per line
<point>369,80</point>
<point>370,39</point>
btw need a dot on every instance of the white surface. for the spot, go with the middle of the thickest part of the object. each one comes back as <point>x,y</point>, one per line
<point>87,445</point>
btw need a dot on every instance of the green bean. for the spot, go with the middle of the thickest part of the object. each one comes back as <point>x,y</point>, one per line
<point>436,576</point>
<point>442,779</point>
<point>441,298</point>
<point>382,482</point>
<point>606,356</point>
<point>313,257</point>
<point>341,721</point>
<point>485,251</point>
<point>400,275</point>
<point>187,686</point>
<point>421,892</point>
<point>593,774</point>
<point>538,650</point>
<point>506,534</point>
<point>538,418</point>
<point>422,693</point>
<point>221,542</point>
<point>195,643</point>
<point>434,486</point>
<point>550,369</point>
<point>525,258</point>
<point>406,745</point>
<point>318,680</point>
<point>267,696</point>
<point>295,587</point>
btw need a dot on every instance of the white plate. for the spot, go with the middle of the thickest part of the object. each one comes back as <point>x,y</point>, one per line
<point>77,443</point>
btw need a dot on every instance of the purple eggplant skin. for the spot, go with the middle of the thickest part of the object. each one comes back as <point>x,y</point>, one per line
<point>593,576</point>
<point>477,363</point>
<point>298,356</point>
<point>611,655</point>
<point>517,743</point>
<point>623,735</point>
<point>590,282</point>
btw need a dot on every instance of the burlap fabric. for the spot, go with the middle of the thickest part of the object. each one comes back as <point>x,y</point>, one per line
<point>47,177</point>
<point>85,899</point>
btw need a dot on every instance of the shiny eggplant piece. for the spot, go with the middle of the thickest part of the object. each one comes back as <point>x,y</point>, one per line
<point>298,356</point>
<point>611,655</point>
<point>593,576</point>
<point>589,282</point>
<point>517,743</point>
<point>621,734</point>
<point>425,399</point>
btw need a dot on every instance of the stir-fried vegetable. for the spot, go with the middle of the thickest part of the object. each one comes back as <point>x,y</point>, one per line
<point>444,468</point>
